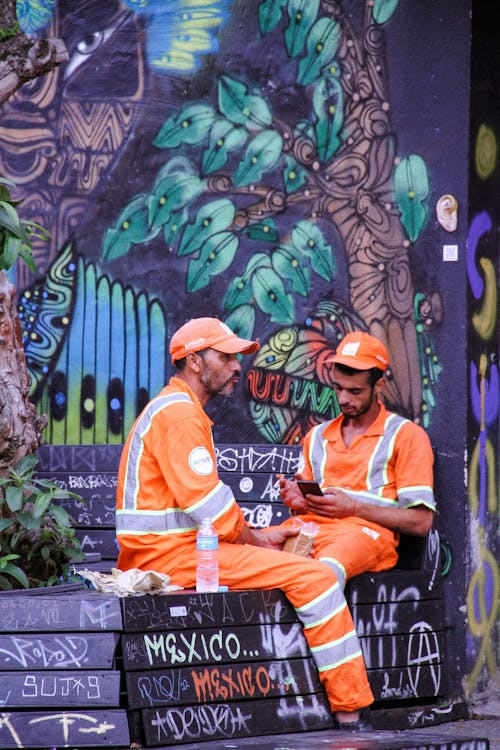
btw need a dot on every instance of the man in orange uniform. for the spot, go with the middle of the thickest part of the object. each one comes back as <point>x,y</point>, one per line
<point>168,482</point>
<point>373,466</point>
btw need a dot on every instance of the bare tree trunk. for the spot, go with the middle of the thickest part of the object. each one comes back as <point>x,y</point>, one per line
<point>22,58</point>
<point>20,426</point>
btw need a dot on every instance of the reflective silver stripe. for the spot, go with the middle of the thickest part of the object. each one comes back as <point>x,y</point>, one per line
<point>131,482</point>
<point>376,478</point>
<point>333,654</point>
<point>317,452</point>
<point>138,522</point>
<point>411,496</point>
<point>175,520</point>
<point>337,568</point>
<point>322,608</point>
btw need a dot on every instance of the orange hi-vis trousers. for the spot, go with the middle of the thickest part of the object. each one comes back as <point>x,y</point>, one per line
<point>313,590</point>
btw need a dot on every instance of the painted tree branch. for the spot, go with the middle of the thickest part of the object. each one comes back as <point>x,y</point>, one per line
<point>22,59</point>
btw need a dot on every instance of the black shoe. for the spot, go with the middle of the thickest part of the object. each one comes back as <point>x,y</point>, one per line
<point>361,725</point>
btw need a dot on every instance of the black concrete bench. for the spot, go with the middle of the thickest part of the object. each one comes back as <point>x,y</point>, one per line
<point>399,616</point>
<point>59,680</point>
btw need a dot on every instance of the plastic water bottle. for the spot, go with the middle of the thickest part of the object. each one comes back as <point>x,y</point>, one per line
<point>207,560</point>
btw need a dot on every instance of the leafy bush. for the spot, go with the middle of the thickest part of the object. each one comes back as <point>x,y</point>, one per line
<point>37,541</point>
<point>16,234</point>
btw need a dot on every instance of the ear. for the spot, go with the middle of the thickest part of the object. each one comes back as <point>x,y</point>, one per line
<point>193,361</point>
<point>379,386</point>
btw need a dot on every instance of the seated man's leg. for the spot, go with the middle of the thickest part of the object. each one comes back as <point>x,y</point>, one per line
<point>313,590</point>
<point>351,548</point>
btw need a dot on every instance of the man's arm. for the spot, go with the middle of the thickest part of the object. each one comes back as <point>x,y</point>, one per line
<point>337,504</point>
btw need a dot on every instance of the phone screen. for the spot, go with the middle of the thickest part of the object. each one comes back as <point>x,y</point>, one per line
<point>309,488</point>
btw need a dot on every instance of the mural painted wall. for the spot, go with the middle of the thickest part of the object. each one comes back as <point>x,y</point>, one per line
<point>230,158</point>
<point>483,262</point>
<point>295,167</point>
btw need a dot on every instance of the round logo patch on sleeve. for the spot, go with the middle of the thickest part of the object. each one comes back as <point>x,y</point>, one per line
<point>201,461</point>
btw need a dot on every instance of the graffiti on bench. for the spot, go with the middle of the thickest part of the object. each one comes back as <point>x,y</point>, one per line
<point>58,651</point>
<point>71,689</point>
<point>64,729</point>
<point>228,720</point>
<point>88,611</point>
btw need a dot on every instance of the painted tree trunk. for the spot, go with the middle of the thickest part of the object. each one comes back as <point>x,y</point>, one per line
<point>20,426</point>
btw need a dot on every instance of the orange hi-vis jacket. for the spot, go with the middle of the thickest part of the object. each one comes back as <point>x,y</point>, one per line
<point>168,482</point>
<point>390,465</point>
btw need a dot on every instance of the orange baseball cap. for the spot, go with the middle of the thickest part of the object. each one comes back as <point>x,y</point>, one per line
<point>361,351</point>
<point>208,333</point>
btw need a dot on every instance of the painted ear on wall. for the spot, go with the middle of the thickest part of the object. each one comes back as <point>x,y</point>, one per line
<point>447,212</point>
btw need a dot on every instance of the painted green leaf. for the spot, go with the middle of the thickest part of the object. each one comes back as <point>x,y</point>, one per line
<point>328,106</point>
<point>212,218</point>
<point>270,12</point>
<point>261,155</point>
<point>308,239</point>
<point>171,194</point>
<point>321,45</point>
<point>288,266</point>
<point>294,175</point>
<point>173,228</point>
<point>242,107</point>
<point>271,297</point>
<point>216,254</point>
<point>132,228</point>
<point>263,231</point>
<point>225,138</point>
<point>411,188</point>
<point>239,290</point>
<point>383,10</point>
<point>190,125</point>
<point>242,321</point>
<point>302,15</point>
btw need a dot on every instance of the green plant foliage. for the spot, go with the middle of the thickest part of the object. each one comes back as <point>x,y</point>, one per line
<point>271,297</point>
<point>216,254</point>
<point>302,14</point>
<point>322,43</point>
<point>328,107</point>
<point>307,238</point>
<point>242,107</point>
<point>16,235</point>
<point>225,137</point>
<point>191,126</point>
<point>287,265</point>
<point>411,188</point>
<point>37,541</point>
<point>270,13</point>
<point>212,218</point>
<point>132,228</point>
<point>383,10</point>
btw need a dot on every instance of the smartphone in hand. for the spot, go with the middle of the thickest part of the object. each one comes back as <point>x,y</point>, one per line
<point>309,488</point>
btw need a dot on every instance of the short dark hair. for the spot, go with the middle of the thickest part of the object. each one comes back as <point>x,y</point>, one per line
<point>180,364</point>
<point>374,373</point>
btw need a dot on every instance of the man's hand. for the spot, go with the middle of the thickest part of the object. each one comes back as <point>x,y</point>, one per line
<point>334,503</point>
<point>291,495</point>
<point>273,537</point>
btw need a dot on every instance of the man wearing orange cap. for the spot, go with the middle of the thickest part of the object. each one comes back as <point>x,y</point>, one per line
<point>374,467</point>
<point>168,482</point>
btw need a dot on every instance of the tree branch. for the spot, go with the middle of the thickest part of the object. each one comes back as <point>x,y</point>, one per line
<point>22,59</point>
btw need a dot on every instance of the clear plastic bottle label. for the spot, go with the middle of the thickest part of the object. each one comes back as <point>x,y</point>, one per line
<point>207,542</point>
